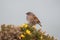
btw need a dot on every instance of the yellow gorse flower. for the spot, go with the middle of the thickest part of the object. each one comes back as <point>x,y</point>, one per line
<point>41,37</point>
<point>28,32</point>
<point>24,25</point>
<point>22,36</point>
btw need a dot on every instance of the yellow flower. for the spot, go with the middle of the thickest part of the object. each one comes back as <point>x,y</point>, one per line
<point>22,36</point>
<point>28,32</point>
<point>41,37</point>
<point>24,25</point>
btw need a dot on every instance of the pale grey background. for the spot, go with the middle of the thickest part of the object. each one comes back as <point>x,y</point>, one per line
<point>48,11</point>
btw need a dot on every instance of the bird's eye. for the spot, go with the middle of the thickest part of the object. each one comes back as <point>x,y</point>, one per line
<point>27,13</point>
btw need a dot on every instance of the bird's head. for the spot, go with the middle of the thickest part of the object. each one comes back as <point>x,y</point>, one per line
<point>29,13</point>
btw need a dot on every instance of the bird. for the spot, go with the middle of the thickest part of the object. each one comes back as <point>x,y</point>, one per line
<point>32,19</point>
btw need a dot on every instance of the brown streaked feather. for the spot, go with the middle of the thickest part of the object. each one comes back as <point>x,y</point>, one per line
<point>33,19</point>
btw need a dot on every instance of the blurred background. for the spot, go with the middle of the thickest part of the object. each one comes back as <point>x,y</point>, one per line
<point>48,11</point>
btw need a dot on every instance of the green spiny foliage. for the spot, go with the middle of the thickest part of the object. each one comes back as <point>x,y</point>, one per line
<point>23,32</point>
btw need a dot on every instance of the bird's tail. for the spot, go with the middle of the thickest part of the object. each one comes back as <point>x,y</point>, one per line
<point>40,24</point>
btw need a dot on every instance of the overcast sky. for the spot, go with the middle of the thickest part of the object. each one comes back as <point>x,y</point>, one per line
<point>48,11</point>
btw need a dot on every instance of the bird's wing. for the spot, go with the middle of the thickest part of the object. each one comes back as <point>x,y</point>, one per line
<point>36,19</point>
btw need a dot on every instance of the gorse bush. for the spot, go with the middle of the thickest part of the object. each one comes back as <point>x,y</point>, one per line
<point>23,32</point>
